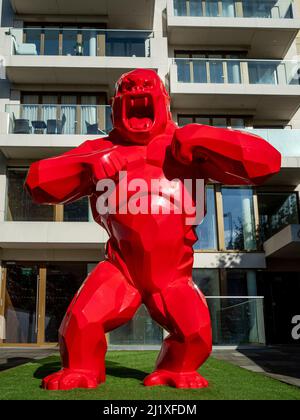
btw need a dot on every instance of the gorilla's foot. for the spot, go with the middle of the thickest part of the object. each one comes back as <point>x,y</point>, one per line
<point>175,379</point>
<point>67,379</point>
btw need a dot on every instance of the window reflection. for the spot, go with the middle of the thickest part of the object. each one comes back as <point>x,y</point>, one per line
<point>239,222</point>
<point>207,231</point>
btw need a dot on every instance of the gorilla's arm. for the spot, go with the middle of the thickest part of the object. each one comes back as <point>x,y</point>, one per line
<point>227,156</point>
<point>68,177</point>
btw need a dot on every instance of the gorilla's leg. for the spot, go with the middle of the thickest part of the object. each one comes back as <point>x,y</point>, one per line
<point>105,301</point>
<point>182,310</point>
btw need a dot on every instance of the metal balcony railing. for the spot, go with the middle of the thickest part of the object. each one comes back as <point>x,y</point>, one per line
<point>237,71</point>
<point>268,9</point>
<point>59,119</point>
<point>88,42</point>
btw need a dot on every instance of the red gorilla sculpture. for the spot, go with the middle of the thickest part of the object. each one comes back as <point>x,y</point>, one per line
<point>149,257</point>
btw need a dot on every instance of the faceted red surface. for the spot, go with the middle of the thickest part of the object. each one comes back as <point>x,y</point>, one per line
<point>149,257</point>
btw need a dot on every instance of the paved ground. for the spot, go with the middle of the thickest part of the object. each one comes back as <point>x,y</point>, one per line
<point>281,363</point>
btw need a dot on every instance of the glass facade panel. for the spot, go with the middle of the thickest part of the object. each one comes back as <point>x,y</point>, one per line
<point>276,210</point>
<point>140,330</point>
<point>70,46</point>
<point>207,280</point>
<point>63,282</point>
<point>212,8</point>
<point>263,73</point>
<point>21,304</point>
<point>239,222</point>
<point>51,43</point>
<point>207,231</point>
<point>77,211</point>
<point>20,206</point>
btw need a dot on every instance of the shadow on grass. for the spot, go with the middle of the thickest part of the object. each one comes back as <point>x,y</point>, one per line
<point>14,362</point>
<point>112,369</point>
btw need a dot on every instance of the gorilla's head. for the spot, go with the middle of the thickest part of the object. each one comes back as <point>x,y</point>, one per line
<point>141,106</point>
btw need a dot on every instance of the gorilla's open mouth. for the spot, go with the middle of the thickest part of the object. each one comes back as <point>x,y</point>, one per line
<point>139,112</point>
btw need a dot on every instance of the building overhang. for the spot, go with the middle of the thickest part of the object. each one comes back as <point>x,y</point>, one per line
<point>284,244</point>
<point>64,70</point>
<point>52,235</point>
<point>289,174</point>
<point>38,146</point>
<point>129,14</point>
<point>261,38</point>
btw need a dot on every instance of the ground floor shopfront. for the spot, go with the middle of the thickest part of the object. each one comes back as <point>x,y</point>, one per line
<point>247,306</point>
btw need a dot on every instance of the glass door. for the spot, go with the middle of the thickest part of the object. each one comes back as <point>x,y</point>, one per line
<point>21,298</point>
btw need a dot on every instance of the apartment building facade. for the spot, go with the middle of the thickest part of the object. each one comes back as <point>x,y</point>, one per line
<point>226,63</point>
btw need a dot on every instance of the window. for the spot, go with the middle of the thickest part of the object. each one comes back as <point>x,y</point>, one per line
<point>62,113</point>
<point>20,207</point>
<point>82,40</point>
<point>207,231</point>
<point>236,122</point>
<point>239,222</point>
<point>276,210</point>
<point>77,211</point>
<point>209,66</point>
<point>63,281</point>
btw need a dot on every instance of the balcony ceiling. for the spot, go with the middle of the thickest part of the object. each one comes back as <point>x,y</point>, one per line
<point>262,38</point>
<point>129,14</point>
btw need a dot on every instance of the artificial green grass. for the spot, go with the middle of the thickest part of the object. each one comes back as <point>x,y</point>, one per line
<point>125,372</point>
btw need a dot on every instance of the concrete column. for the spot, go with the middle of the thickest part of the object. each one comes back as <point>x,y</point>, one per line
<point>3,186</point>
<point>93,43</point>
<point>249,239</point>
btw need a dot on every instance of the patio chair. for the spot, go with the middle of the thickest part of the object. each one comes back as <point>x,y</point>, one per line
<point>23,49</point>
<point>56,126</point>
<point>93,129</point>
<point>21,126</point>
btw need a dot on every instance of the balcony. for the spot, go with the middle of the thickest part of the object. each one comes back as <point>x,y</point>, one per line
<point>76,56</point>
<point>38,131</point>
<point>284,244</point>
<point>131,14</point>
<point>265,89</point>
<point>264,28</point>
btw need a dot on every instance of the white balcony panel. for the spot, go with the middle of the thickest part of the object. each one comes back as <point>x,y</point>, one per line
<point>100,71</point>
<point>284,244</point>
<point>42,235</point>
<point>36,147</point>
<point>127,14</point>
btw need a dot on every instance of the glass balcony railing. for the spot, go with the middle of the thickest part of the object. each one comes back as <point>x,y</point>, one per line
<point>287,141</point>
<point>268,9</point>
<point>237,71</point>
<point>237,320</point>
<point>59,119</point>
<point>88,42</point>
